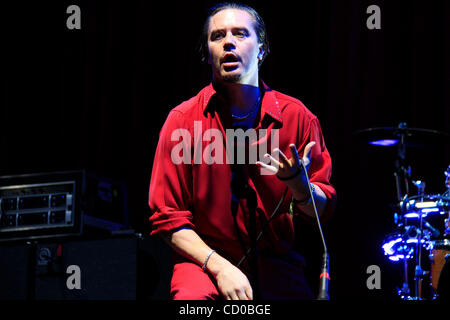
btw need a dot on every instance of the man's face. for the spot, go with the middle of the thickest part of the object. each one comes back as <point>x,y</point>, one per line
<point>233,46</point>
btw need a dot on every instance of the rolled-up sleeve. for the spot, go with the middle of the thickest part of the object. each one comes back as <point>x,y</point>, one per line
<point>321,165</point>
<point>171,184</point>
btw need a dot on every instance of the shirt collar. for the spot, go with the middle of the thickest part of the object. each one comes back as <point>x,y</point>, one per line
<point>269,104</point>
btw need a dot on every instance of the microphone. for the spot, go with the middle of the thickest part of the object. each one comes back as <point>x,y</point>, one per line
<point>324,278</point>
<point>324,275</point>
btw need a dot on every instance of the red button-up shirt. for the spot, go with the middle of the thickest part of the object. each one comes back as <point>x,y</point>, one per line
<point>198,195</point>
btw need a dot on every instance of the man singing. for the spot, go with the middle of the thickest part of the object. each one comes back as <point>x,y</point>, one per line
<point>203,208</point>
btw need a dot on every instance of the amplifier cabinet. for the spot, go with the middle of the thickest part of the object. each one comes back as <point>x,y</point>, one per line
<point>41,205</point>
<point>113,268</point>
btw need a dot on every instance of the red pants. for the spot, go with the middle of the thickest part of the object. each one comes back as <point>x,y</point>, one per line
<point>281,278</point>
<point>189,282</point>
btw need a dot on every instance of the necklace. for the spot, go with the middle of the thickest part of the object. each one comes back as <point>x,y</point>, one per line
<point>249,113</point>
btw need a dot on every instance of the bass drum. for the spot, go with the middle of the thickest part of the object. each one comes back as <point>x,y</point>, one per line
<point>440,269</point>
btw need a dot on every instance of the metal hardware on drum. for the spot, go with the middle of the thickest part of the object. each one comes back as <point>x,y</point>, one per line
<point>421,225</point>
<point>422,220</point>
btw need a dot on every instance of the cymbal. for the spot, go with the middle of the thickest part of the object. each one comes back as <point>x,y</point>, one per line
<point>413,137</point>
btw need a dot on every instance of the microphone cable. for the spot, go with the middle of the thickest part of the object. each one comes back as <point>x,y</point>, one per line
<point>324,276</point>
<point>264,226</point>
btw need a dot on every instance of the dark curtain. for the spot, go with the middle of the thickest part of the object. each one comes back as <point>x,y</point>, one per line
<point>96,99</point>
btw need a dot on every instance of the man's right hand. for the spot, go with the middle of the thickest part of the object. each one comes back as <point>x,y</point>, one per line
<point>233,284</point>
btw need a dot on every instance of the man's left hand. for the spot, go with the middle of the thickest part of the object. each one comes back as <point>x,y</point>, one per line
<point>284,167</point>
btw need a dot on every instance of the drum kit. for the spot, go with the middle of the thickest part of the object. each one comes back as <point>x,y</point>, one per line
<point>421,239</point>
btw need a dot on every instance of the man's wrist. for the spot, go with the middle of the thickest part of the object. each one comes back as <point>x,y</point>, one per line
<point>216,263</point>
<point>303,198</point>
<point>205,264</point>
<point>292,176</point>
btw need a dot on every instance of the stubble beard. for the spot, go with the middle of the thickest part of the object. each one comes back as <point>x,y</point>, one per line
<point>233,78</point>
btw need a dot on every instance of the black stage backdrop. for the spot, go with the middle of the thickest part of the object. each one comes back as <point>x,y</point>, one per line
<point>96,99</point>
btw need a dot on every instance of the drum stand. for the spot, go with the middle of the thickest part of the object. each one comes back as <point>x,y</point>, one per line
<point>402,178</point>
<point>402,175</point>
<point>419,273</point>
<point>413,232</point>
<point>404,291</point>
<point>421,235</point>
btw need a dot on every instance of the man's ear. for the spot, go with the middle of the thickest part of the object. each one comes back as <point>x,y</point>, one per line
<point>261,52</point>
